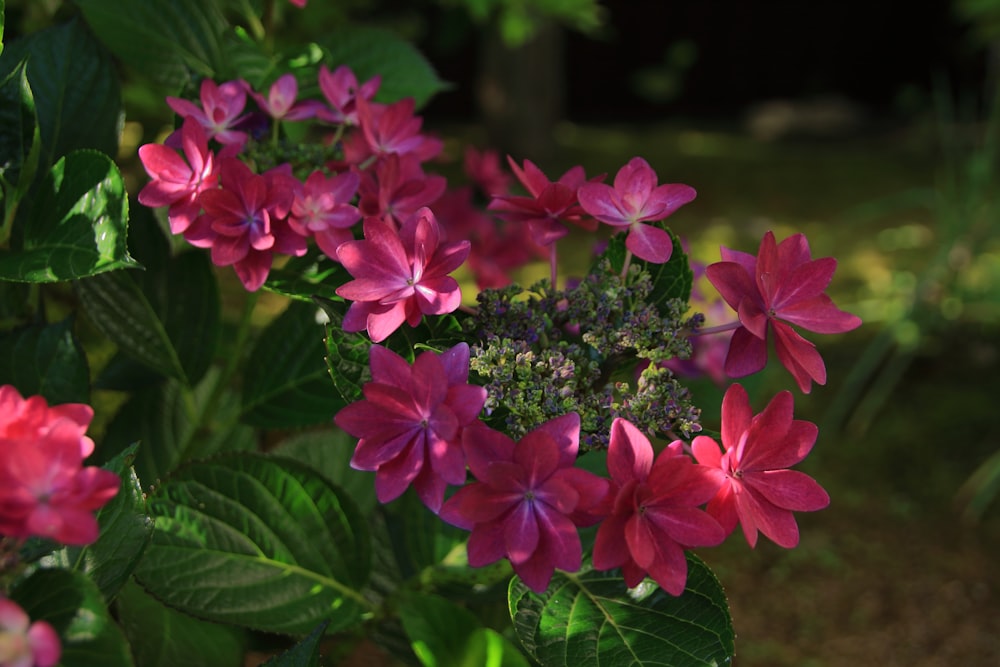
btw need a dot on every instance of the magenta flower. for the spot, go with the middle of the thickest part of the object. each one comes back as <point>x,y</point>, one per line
<point>280,102</point>
<point>485,170</point>
<point>44,489</point>
<point>341,89</point>
<point>321,209</point>
<point>23,643</point>
<point>782,284</point>
<point>244,222</point>
<point>397,188</point>
<point>220,112</point>
<point>394,128</point>
<point>411,420</point>
<point>635,199</point>
<point>176,183</point>
<point>757,490</point>
<point>549,205</point>
<point>528,499</point>
<point>399,276</point>
<point>655,513</point>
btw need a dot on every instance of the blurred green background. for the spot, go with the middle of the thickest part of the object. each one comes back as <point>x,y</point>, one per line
<point>871,127</point>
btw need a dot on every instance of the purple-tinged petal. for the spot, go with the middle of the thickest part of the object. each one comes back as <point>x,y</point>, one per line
<point>820,316</point>
<point>486,544</point>
<point>394,477</point>
<point>747,354</point>
<point>649,243</point>
<point>799,356</point>
<point>483,446</point>
<point>733,282</point>
<point>520,532</point>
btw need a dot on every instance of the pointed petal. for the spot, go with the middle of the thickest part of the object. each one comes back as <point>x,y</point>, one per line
<point>789,489</point>
<point>649,243</point>
<point>747,354</point>
<point>630,456</point>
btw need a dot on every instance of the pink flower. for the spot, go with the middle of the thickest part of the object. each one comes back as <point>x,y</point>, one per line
<point>44,489</point>
<point>220,112</point>
<point>549,205</point>
<point>23,643</point>
<point>757,489</point>
<point>321,209</point>
<point>655,513</point>
<point>177,183</point>
<point>341,90</point>
<point>396,188</point>
<point>782,284</point>
<point>528,499</point>
<point>299,3</point>
<point>411,420</point>
<point>399,276</point>
<point>244,222</point>
<point>635,199</point>
<point>395,129</point>
<point>280,102</point>
<point>486,172</point>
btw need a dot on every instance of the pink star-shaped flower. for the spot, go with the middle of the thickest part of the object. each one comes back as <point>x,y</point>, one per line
<point>340,88</point>
<point>528,499</point>
<point>757,491</point>
<point>635,199</point>
<point>411,420</point>
<point>321,209</point>
<point>399,276</point>
<point>280,103</point>
<point>781,284</point>
<point>655,513</point>
<point>220,112</point>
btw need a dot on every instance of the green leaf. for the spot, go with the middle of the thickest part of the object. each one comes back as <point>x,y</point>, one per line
<point>163,637</point>
<point>286,383</point>
<point>304,278</point>
<point>260,542</point>
<point>346,355</point>
<point>329,453</point>
<point>590,618</point>
<point>126,530</point>
<point>75,87</point>
<point>174,425</point>
<point>20,141</point>
<point>303,654</point>
<point>419,538</point>
<point>372,51</point>
<point>75,608</point>
<point>47,360</point>
<point>443,634</point>
<point>169,41</point>
<point>77,225</point>
<point>167,318</point>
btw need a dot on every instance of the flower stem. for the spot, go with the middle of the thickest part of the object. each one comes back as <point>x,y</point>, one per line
<point>718,329</point>
<point>553,265</point>
<point>625,265</point>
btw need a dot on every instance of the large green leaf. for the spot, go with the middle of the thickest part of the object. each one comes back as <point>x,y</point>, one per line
<point>167,318</point>
<point>260,542</point>
<point>346,355</point>
<point>163,637</point>
<point>125,532</point>
<point>443,634</point>
<point>46,360</point>
<point>75,87</point>
<point>372,51</point>
<point>303,654</point>
<point>75,608</point>
<point>304,278</point>
<point>77,225</point>
<point>590,619</point>
<point>169,41</point>
<point>286,383</point>
<point>174,425</point>
<point>20,141</point>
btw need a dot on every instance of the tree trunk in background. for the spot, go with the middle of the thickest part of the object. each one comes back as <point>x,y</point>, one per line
<point>522,92</point>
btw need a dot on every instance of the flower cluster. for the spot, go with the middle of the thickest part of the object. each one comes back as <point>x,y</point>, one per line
<point>23,643</point>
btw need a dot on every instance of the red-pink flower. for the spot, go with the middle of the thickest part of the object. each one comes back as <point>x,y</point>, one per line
<point>341,89</point>
<point>280,102</point>
<point>528,499</point>
<point>411,420</point>
<point>757,490</point>
<point>23,643</point>
<point>44,489</point>
<point>321,209</point>
<point>245,221</point>
<point>781,284</point>
<point>655,513</point>
<point>394,128</point>
<point>397,188</point>
<point>485,170</point>
<point>399,276</point>
<point>177,183</point>
<point>635,199</point>
<point>220,112</point>
<point>548,206</point>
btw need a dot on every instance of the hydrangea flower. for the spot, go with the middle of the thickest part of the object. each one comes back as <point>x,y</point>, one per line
<point>23,643</point>
<point>340,88</point>
<point>528,499</point>
<point>221,110</point>
<point>399,276</point>
<point>321,209</point>
<point>280,102</point>
<point>757,490</point>
<point>411,420</point>
<point>781,284</point>
<point>45,490</point>
<point>654,510</point>
<point>634,200</point>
